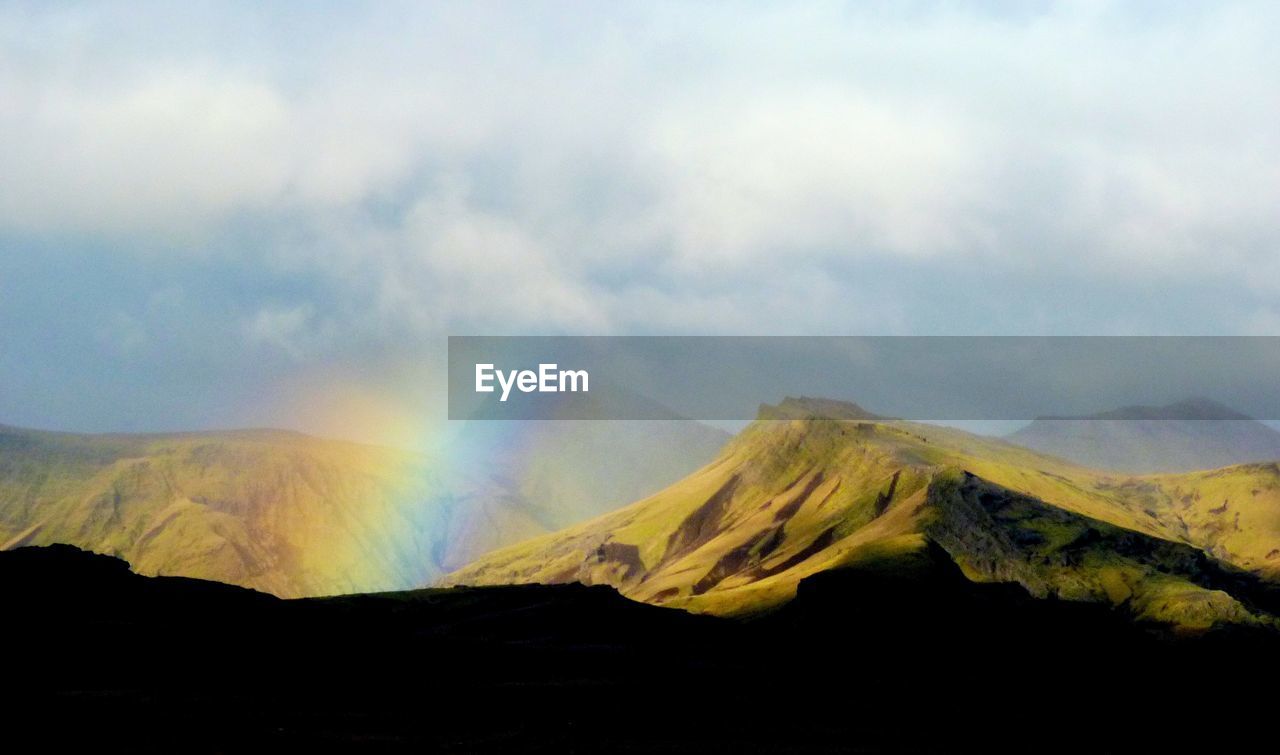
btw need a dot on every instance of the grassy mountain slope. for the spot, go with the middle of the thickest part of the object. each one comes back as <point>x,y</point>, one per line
<point>1186,436</point>
<point>793,496</point>
<point>279,512</point>
<point>298,516</point>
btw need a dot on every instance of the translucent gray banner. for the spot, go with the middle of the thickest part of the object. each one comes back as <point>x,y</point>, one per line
<point>928,378</point>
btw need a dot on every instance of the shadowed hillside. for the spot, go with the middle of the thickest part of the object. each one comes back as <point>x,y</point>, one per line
<point>904,655</point>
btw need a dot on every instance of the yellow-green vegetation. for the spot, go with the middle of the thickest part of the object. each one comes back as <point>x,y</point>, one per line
<point>794,495</point>
<point>300,516</point>
<point>279,512</point>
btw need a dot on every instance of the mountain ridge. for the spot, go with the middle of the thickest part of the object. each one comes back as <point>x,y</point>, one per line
<point>1185,436</point>
<point>296,515</point>
<point>790,498</point>
<point>1195,407</point>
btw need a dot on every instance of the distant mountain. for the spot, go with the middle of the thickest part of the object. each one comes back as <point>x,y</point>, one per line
<point>1185,436</point>
<point>295,516</point>
<point>790,498</point>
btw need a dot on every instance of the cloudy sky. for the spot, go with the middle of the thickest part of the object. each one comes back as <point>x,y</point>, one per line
<point>219,215</point>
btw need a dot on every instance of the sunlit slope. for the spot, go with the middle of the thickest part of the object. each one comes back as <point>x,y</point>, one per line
<point>790,497</point>
<point>275,511</point>
<point>299,516</point>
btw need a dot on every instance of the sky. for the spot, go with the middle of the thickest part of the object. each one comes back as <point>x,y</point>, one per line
<point>222,214</point>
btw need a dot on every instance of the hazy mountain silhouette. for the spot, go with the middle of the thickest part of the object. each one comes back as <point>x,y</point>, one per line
<point>1180,437</point>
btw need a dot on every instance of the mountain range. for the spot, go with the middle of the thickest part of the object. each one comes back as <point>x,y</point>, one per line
<point>811,486</point>
<point>849,583</point>
<point>297,516</point>
<point>816,486</point>
<point>276,511</point>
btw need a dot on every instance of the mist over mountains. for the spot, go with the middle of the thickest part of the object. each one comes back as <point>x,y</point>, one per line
<point>519,479</point>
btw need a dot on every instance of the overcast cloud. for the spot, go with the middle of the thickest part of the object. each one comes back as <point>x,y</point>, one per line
<point>205,207</point>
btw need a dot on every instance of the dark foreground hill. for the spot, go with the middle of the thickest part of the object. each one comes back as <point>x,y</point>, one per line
<point>905,656</point>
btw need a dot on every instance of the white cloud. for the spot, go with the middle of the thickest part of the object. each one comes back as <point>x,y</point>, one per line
<point>820,171</point>
<point>485,167</point>
<point>465,265</point>
<point>162,154</point>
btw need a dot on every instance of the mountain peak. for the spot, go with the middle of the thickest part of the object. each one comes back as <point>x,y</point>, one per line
<point>805,407</point>
<point>738,536</point>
